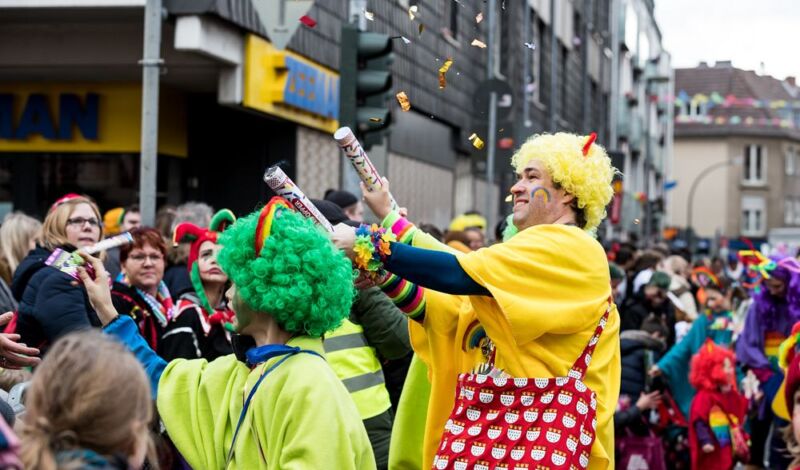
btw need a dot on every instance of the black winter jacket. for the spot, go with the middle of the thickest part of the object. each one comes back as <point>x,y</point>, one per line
<point>635,347</point>
<point>49,305</point>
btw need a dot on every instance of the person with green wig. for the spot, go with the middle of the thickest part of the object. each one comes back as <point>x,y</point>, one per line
<point>285,408</point>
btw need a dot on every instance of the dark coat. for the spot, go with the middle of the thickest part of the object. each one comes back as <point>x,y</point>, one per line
<point>639,351</point>
<point>50,306</point>
<point>128,302</point>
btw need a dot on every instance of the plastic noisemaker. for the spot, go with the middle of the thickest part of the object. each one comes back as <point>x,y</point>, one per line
<point>360,161</point>
<point>285,187</point>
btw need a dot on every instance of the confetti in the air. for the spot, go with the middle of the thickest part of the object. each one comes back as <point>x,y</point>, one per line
<point>405,39</point>
<point>412,12</point>
<point>476,141</point>
<point>509,198</point>
<point>530,45</point>
<point>479,17</point>
<point>637,221</point>
<point>442,71</point>
<point>478,43</point>
<point>308,21</point>
<point>402,98</point>
<point>375,120</point>
<point>421,28</point>
<point>369,15</point>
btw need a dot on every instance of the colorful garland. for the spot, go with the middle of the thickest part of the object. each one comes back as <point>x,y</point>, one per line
<point>371,248</point>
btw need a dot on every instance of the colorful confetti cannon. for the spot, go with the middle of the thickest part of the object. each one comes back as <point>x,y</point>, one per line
<point>68,262</point>
<point>360,161</point>
<point>285,187</point>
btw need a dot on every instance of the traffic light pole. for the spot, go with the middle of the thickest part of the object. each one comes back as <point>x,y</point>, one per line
<point>491,138</point>
<point>151,68</point>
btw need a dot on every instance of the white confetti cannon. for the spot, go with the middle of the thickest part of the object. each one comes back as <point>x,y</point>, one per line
<point>285,188</point>
<point>360,161</point>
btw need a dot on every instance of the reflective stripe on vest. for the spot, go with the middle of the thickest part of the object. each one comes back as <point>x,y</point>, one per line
<point>356,364</point>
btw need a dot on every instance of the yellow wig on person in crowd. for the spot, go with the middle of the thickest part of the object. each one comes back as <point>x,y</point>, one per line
<point>465,221</point>
<point>576,164</point>
<point>112,221</point>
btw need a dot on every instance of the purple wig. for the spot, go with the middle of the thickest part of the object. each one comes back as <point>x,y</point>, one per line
<point>770,308</point>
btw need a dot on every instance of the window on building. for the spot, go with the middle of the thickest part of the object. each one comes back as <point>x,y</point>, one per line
<point>538,63</point>
<point>753,216</point>
<point>791,155</point>
<point>788,211</point>
<point>797,211</point>
<point>755,159</point>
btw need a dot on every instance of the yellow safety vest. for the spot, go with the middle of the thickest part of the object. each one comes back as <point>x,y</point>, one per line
<point>357,365</point>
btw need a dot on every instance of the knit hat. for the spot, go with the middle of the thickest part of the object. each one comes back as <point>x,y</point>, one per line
<point>616,272</point>
<point>188,232</point>
<point>660,279</point>
<point>341,198</point>
<point>333,213</point>
<point>111,221</point>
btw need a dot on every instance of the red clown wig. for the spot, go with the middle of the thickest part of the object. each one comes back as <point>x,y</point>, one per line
<point>707,370</point>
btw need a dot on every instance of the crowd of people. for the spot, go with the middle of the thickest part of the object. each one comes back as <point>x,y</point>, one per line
<point>212,342</point>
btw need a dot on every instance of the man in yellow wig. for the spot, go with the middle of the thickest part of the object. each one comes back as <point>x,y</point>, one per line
<point>526,308</point>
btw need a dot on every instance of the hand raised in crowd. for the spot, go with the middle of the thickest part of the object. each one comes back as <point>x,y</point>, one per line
<point>363,281</point>
<point>15,355</point>
<point>379,201</point>
<point>344,237</point>
<point>654,371</point>
<point>98,289</point>
<point>648,401</point>
<point>708,448</point>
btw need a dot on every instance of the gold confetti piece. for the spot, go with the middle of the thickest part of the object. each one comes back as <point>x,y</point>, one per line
<point>412,12</point>
<point>369,15</point>
<point>478,43</point>
<point>479,17</point>
<point>476,141</point>
<point>402,98</point>
<point>421,28</point>
<point>443,70</point>
<point>375,119</point>
<point>509,198</point>
<point>636,221</point>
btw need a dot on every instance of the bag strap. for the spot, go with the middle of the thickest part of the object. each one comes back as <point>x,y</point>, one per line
<point>286,353</point>
<point>578,370</point>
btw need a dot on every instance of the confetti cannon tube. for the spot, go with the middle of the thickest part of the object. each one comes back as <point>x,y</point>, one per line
<point>360,161</point>
<point>285,187</point>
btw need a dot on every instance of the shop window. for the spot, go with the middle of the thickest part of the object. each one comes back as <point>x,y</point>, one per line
<point>754,164</point>
<point>788,211</point>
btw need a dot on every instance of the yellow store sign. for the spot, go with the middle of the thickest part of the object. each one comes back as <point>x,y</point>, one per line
<point>98,117</point>
<point>287,85</point>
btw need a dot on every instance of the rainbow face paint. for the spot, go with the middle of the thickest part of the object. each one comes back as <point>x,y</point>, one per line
<point>540,191</point>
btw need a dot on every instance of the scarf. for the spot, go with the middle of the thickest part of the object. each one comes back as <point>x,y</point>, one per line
<point>161,305</point>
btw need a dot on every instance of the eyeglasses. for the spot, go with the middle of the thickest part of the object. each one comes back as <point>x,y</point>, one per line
<point>141,258</point>
<point>80,221</point>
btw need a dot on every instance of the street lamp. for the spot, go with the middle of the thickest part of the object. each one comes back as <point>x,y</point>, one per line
<point>736,161</point>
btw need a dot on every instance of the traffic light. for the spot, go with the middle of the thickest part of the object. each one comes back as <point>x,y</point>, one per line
<point>365,83</point>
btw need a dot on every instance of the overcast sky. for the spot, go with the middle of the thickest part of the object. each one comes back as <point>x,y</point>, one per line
<point>748,32</point>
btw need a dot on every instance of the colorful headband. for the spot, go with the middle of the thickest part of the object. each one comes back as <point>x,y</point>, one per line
<point>589,141</point>
<point>63,199</point>
<point>269,213</point>
<point>704,277</point>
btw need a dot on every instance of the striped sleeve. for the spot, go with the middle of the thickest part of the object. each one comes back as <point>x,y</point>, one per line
<point>407,296</point>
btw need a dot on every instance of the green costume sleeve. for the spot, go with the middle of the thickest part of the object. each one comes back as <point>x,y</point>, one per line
<point>385,326</point>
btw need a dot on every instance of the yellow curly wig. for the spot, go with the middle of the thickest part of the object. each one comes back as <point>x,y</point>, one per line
<point>588,178</point>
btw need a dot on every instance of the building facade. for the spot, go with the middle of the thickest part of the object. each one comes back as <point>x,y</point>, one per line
<point>737,143</point>
<point>231,104</point>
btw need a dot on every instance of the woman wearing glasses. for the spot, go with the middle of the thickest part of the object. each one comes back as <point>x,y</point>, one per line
<point>51,304</point>
<point>139,291</point>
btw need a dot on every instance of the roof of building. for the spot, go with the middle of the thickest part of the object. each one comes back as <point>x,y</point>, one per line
<point>724,79</point>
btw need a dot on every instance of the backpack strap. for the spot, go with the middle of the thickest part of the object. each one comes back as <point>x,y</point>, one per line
<point>578,370</point>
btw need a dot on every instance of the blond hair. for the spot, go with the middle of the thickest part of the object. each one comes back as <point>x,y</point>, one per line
<point>88,393</point>
<point>54,230</point>
<point>587,177</point>
<point>16,233</point>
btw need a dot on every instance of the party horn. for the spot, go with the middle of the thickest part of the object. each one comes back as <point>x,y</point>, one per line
<point>285,187</point>
<point>68,262</point>
<point>358,158</point>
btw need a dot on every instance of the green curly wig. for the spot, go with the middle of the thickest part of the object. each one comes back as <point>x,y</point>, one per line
<point>299,278</point>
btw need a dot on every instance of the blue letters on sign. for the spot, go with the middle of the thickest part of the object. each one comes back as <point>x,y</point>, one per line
<point>37,119</point>
<point>311,89</point>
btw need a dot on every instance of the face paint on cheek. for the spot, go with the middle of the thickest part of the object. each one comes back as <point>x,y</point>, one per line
<point>541,192</point>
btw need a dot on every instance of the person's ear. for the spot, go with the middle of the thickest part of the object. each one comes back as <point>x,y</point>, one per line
<point>565,198</point>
